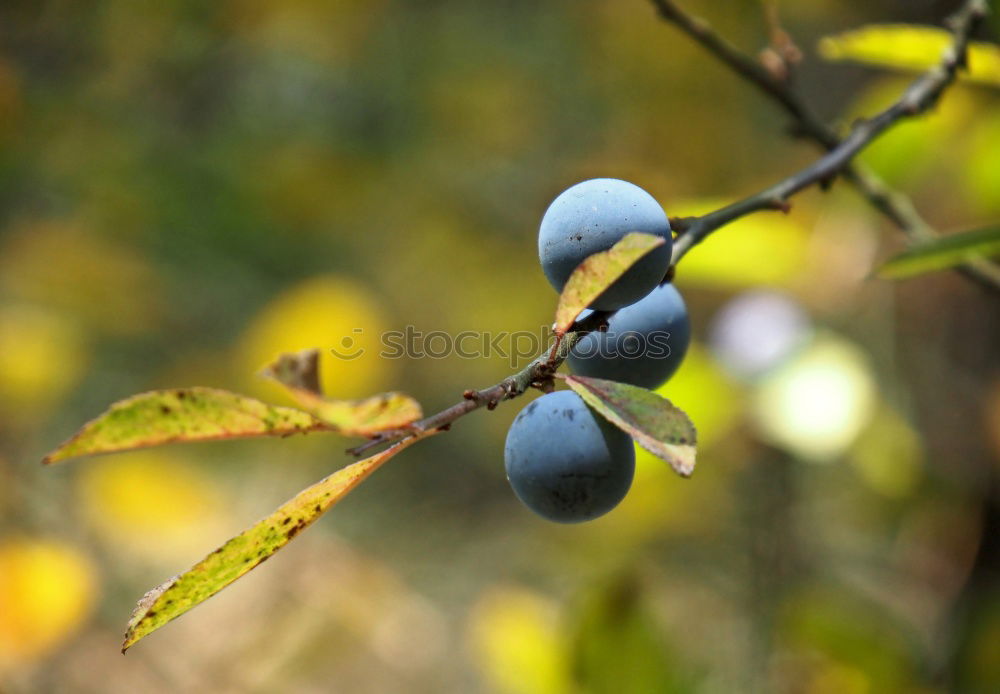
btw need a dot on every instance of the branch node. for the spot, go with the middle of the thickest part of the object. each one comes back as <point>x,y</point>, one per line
<point>680,224</point>
<point>546,385</point>
<point>779,204</point>
<point>775,65</point>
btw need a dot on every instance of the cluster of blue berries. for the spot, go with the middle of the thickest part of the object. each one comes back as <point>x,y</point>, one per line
<point>564,461</point>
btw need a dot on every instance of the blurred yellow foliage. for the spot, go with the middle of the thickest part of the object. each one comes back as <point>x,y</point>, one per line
<point>474,107</point>
<point>310,186</point>
<point>292,26</point>
<point>889,455</point>
<point>47,589</point>
<point>330,313</point>
<point>981,173</point>
<point>42,356</point>
<point>982,666</point>
<point>910,47</point>
<point>153,504</point>
<point>701,389</point>
<point>816,404</point>
<point>61,264</point>
<point>836,678</point>
<point>911,150</point>
<point>661,504</point>
<point>516,639</point>
<point>843,644</point>
<point>767,249</point>
<point>132,37</point>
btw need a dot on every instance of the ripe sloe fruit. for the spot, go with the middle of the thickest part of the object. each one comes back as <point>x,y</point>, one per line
<point>565,462</point>
<point>592,216</point>
<point>644,344</point>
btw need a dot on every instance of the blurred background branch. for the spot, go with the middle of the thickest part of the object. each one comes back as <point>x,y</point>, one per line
<point>777,85</point>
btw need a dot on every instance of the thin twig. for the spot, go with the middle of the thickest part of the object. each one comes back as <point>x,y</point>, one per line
<point>893,205</point>
<point>537,374</point>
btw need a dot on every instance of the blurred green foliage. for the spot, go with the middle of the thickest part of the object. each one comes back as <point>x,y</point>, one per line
<point>186,187</point>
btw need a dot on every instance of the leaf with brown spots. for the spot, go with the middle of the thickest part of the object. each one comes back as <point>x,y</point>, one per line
<point>250,548</point>
<point>299,373</point>
<point>180,415</point>
<point>652,420</point>
<point>597,273</point>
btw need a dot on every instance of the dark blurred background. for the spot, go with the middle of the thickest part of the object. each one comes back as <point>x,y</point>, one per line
<point>187,189</point>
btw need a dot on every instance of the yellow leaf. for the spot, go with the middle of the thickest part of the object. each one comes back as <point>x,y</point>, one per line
<point>182,415</point>
<point>341,317</point>
<point>515,636</point>
<point>759,250</point>
<point>253,546</point>
<point>911,48</point>
<point>46,590</point>
<point>299,373</point>
<point>42,357</point>
<point>128,499</point>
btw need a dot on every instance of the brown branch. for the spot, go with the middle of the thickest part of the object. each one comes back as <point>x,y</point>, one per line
<point>537,374</point>
<point>893,205</point>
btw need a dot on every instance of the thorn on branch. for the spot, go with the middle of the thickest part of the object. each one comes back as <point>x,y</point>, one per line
<point>911,106</point>
<point>774,64</point>
<point>699,26</point>
<point>359,450</point>
<point>860,122</point>
<point>546,385</point>
<point>779,204</point>
<point>781,41</point>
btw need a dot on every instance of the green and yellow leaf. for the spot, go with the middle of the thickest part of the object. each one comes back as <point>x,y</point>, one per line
<point>597,273</point>
<point>386,411</point>
<point>182,415</point>
<point>299,373</point>
<point>943,253</point>
<point>911,48</point>
<point>250,548</point>
<point>652,420</point>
